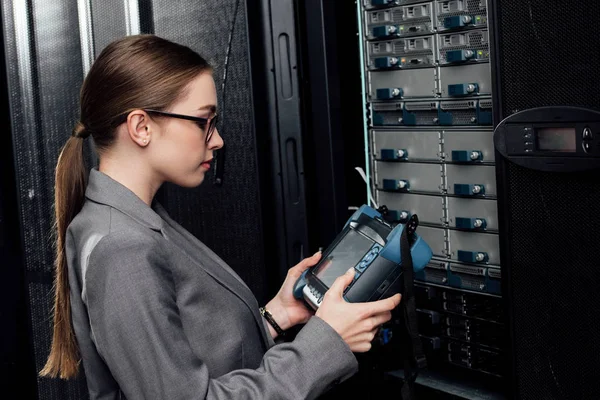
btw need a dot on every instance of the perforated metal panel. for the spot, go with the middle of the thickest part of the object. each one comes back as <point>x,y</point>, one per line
<point>108,21</point>
<point>44,80</point>
<point>556,332</point>
<point>44,74</point>
<point>545,58</point>
<point>547,55</point>
<point>228,219</point>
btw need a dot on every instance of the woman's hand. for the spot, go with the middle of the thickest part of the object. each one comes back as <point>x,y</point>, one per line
<point>288,311</point>
<point>356,323</point>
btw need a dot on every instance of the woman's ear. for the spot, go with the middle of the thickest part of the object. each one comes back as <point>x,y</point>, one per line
<point>139,128</point>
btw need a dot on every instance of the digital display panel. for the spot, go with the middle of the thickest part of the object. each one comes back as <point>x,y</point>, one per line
<point>348,252</point>
<point>556,139</point>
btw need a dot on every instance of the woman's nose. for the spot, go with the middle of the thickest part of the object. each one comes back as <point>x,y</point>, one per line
<point>216,141</point>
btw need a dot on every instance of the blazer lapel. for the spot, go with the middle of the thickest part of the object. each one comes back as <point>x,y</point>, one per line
<point>218,269</point>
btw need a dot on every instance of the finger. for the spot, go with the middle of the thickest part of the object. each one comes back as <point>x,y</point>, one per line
<point>342,282</point>
<point>309,261</point>
<point>379,319</point>
<point>374,332</point>
<point>306,263</point>
<point>361,347</point>
<point>312,260</point>
<point>364,337</point>
<point>379,306</point>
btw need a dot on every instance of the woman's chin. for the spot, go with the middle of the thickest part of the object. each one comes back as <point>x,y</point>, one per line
<point>192,180</point>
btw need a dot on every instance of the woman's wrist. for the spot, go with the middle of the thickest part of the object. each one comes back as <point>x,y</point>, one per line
<point>279,315</point>
<point>274,328</point>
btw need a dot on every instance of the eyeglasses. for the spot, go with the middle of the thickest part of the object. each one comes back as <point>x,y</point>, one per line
<point>201,122</point>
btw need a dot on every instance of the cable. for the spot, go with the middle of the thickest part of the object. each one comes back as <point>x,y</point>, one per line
<point>363,79</point>
<point>220,154</point>
<point>362,174</point>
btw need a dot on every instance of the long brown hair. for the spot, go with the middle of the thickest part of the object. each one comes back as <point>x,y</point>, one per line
<point>142,71</point>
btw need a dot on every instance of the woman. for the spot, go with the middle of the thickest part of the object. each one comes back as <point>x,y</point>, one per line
<point>150,310</point>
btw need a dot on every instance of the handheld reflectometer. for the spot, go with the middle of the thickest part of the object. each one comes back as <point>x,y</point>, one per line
<point>373,248</point>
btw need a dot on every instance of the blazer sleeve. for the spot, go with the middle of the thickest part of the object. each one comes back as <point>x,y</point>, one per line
<point>137,330</point>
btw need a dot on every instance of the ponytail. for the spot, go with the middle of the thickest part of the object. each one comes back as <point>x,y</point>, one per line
<point>69,195</point>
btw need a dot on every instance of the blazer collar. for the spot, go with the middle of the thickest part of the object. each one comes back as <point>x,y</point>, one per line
<point>103,189</point>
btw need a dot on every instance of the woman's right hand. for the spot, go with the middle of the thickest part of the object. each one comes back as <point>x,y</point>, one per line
<point>356,323</point>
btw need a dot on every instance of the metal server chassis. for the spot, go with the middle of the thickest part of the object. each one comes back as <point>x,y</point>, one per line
<point>429,142</point>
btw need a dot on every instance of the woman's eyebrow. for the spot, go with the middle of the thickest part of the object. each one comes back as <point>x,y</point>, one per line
<point>210,107</point>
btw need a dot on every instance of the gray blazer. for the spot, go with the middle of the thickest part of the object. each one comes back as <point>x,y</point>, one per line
<point>157,315</point>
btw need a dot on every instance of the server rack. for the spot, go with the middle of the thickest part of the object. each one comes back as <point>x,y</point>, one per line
<point>427,92</point>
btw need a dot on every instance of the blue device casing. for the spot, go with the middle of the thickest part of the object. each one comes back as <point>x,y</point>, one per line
<point>378,271</point>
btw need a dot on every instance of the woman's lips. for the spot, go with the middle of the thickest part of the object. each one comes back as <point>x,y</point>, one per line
<point>206,164</point>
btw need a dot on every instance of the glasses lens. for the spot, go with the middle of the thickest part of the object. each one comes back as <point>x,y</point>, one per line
<point>211,127</point>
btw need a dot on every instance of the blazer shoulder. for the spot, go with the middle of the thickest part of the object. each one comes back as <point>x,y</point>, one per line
<point>93,218</point>
<point>124,254</point>
<point>102,219</point>
<point>101,228</point>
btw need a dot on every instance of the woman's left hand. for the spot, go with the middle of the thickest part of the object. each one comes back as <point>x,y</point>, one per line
<point>285,308</point>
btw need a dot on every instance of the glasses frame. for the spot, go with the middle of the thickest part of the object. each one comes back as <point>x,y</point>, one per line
<point>201,122</point>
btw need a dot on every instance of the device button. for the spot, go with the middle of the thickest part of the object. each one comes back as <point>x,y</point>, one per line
<point>587,133</point>
<point>360,267</point>
<point>586,146</point>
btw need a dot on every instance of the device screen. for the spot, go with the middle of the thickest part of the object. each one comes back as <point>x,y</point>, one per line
<point>348,252</point>
<point>556,139</point>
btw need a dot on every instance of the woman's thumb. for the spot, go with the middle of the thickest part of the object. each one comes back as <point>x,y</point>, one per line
<point>342,282</point>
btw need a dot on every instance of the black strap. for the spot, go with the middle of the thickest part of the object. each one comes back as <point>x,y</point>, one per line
<point>266,314</point>
<point>414,358</point>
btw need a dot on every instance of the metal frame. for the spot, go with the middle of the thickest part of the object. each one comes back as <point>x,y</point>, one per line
<point>86,34</point>
<point>272,36</point>
<point>333,116</point>
<point>494,30</point>
<point>132,17</point>
<point>18,361</point>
